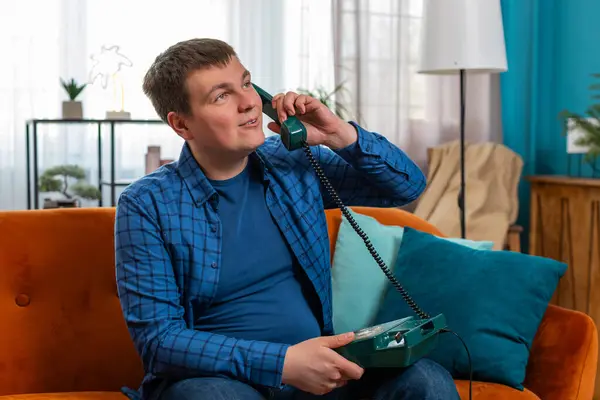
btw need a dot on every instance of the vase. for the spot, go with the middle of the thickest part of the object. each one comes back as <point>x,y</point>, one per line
<point>72,110</point>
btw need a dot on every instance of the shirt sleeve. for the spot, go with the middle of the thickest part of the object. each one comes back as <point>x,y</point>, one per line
<point>150,300</point>
<point>371,172</point>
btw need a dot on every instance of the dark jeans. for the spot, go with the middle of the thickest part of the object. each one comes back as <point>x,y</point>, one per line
<point>424,380</point>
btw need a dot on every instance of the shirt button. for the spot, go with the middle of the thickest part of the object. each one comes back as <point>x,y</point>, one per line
<point>213,265</point>
<point>213,228</point>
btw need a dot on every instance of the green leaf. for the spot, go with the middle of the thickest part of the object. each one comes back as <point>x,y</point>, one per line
<point>588,124</point>
<point>72,88</point>
<point>49,184</point>
<point>73,171</point>
<point>327,98</point>
<point>57,179</point>
<point>594,111</point>
<point>86,191</point>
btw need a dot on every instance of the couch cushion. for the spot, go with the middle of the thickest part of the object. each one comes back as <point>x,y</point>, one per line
<point>495,301</point>
<point>67,396</point>
<point>59,297</point>
<point>492,391</point>
<point>355,271</point>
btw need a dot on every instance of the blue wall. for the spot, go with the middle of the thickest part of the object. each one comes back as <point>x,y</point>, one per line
<point>553,47</point>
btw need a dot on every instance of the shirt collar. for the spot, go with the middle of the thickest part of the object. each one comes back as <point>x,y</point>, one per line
<point>198,184</point>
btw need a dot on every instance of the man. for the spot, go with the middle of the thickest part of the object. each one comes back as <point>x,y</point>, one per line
<point>223,256</point>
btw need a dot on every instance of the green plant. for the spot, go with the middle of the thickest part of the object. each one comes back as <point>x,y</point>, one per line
<point>56,179</point>
<point>328,98</point>
<point>72,88</point>
<point>588,124</point>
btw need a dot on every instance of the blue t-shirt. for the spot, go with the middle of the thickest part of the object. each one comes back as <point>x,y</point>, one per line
<point>262,294</point>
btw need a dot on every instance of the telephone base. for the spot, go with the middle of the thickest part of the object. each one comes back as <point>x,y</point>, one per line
<point>395,344</point>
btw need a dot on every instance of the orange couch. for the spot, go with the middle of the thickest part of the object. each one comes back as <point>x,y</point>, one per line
<point>62,333</point>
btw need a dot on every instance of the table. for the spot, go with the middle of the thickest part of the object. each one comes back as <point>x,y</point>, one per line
<point>31,143</point>
<point>565,226</point>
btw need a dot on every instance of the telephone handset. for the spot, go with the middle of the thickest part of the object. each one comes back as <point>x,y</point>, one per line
<point>396,343</point>
<point>293,132</point>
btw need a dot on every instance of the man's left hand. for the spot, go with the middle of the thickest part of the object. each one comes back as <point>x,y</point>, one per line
<point>322,125</point>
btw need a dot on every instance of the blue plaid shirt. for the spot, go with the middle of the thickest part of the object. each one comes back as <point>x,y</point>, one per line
<point>168,240</point>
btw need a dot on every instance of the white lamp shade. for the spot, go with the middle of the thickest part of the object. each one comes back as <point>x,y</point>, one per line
<point>462,34</point>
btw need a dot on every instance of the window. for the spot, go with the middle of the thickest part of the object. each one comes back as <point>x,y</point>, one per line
<point>377,57</point>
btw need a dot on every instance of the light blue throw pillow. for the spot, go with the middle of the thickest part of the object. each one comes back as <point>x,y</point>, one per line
<point>357,280</point>
<point>494,300</point>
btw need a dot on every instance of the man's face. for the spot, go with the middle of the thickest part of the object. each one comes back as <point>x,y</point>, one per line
<point>226,111</point>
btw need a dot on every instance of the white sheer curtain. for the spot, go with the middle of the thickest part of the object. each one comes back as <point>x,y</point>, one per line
<point>57,40</point>
<point>369,46</point>
<point>29,71</point>
<point>376,55</point>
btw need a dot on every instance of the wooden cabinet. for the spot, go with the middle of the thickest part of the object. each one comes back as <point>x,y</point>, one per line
<point>565,226</point>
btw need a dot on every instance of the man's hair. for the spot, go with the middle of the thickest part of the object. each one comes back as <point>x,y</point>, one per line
<point>165,80</point>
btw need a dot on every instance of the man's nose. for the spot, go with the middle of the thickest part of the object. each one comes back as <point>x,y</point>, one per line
<point>248,101</point>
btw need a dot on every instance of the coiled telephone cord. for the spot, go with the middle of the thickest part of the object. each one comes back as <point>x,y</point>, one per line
<point>422,314</point>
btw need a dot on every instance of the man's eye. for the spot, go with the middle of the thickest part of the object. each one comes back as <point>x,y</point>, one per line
<point>247,84</point>
<point>221,96</point>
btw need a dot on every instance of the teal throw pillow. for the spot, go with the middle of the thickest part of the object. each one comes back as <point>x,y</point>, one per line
<point>495,301</point>
<point>357,281</point>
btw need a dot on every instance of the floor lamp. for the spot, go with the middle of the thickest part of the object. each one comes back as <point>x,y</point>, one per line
<point>458,36</point>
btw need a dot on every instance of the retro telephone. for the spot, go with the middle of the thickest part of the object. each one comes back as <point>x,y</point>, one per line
<point>398,343</point>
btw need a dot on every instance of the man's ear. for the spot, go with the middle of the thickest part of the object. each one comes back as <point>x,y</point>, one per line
<point>179,125</point>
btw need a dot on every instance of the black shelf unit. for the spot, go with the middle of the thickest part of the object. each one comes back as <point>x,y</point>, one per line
<point>31,143</point>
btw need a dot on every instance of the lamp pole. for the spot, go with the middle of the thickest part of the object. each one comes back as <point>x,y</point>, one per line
<point>459,36</point>
<point>462,191</point>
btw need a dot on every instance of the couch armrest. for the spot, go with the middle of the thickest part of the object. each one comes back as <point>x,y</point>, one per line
<point>564,353</point>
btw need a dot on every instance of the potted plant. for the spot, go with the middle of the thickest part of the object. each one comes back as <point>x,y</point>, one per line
<point>587,126</point>
<point>58,179</point>
<point>327,98</point>
<point>72,109</point>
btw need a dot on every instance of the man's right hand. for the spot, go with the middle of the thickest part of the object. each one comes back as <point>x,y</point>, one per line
<point>312,366</point>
